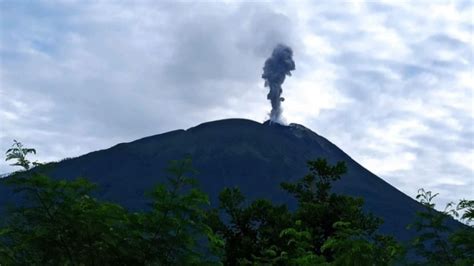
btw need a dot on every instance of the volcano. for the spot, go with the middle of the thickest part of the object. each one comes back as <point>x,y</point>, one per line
<point>240,153</point>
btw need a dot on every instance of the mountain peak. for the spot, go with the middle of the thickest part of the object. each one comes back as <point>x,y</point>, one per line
<point>254,156</point>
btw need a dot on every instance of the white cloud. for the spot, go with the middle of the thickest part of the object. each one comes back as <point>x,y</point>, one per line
<point>389,82</point>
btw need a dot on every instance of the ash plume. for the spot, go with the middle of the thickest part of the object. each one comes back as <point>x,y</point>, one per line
<point>275,70</point>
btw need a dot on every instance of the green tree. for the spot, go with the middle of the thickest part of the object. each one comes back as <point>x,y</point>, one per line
<point>18,153</point>
<point>297,249</point>
<point>354,246</point>
<point>248,229</point>
<point>436,243</point>
<point>325,229</point>
<point>60,223</point>
<point>175,228</point>
<point>341,231</point>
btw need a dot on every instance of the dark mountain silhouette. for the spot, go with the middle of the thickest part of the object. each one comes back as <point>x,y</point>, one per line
<point>235,152</point>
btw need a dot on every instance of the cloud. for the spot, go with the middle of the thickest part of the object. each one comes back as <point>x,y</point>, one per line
<point>390,83</point>
<point>405,77</point>
<point>112,70</point>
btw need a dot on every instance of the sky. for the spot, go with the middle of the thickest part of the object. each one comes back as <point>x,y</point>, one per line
<point>389,82</point>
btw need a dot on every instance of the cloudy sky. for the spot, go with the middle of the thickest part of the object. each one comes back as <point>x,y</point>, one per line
<point>390,83</point>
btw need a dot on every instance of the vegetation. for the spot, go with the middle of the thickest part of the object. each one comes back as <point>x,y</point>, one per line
<point>325,228</point>
<point>59,222</point>
<point>435,243</point>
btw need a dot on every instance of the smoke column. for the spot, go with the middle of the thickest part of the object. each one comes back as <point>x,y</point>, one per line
<point>275,70</point>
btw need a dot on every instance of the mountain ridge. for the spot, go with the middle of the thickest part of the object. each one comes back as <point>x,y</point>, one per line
<point>254,156</point>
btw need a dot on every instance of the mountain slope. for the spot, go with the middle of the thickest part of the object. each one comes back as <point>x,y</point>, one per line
<point>235,152</point>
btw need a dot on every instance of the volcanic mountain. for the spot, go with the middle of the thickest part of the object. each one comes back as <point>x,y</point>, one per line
<point>235,152</point>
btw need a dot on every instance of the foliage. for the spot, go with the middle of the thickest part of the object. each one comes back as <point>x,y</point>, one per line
<point>338,224</point>
<point>352,246</point>
<point>247,230</point>
<point>172,230</point>
<point>18,152</point>
<point>435,241</point>
<point>468,207</point>
<point>297,249</point>
<point>60,223</point>
<point>326,228</point>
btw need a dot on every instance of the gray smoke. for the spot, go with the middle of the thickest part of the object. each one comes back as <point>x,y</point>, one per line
<point>276,68</point>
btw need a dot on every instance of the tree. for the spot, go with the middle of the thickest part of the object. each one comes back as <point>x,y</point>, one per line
<point>18,152</point>
<point>248,229</point>
<point>341,231</point>
<point>436,243</point>
<point>174,231</point>
<point>296,250</point>
<point>325,229</point>
<point>60,223</point>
